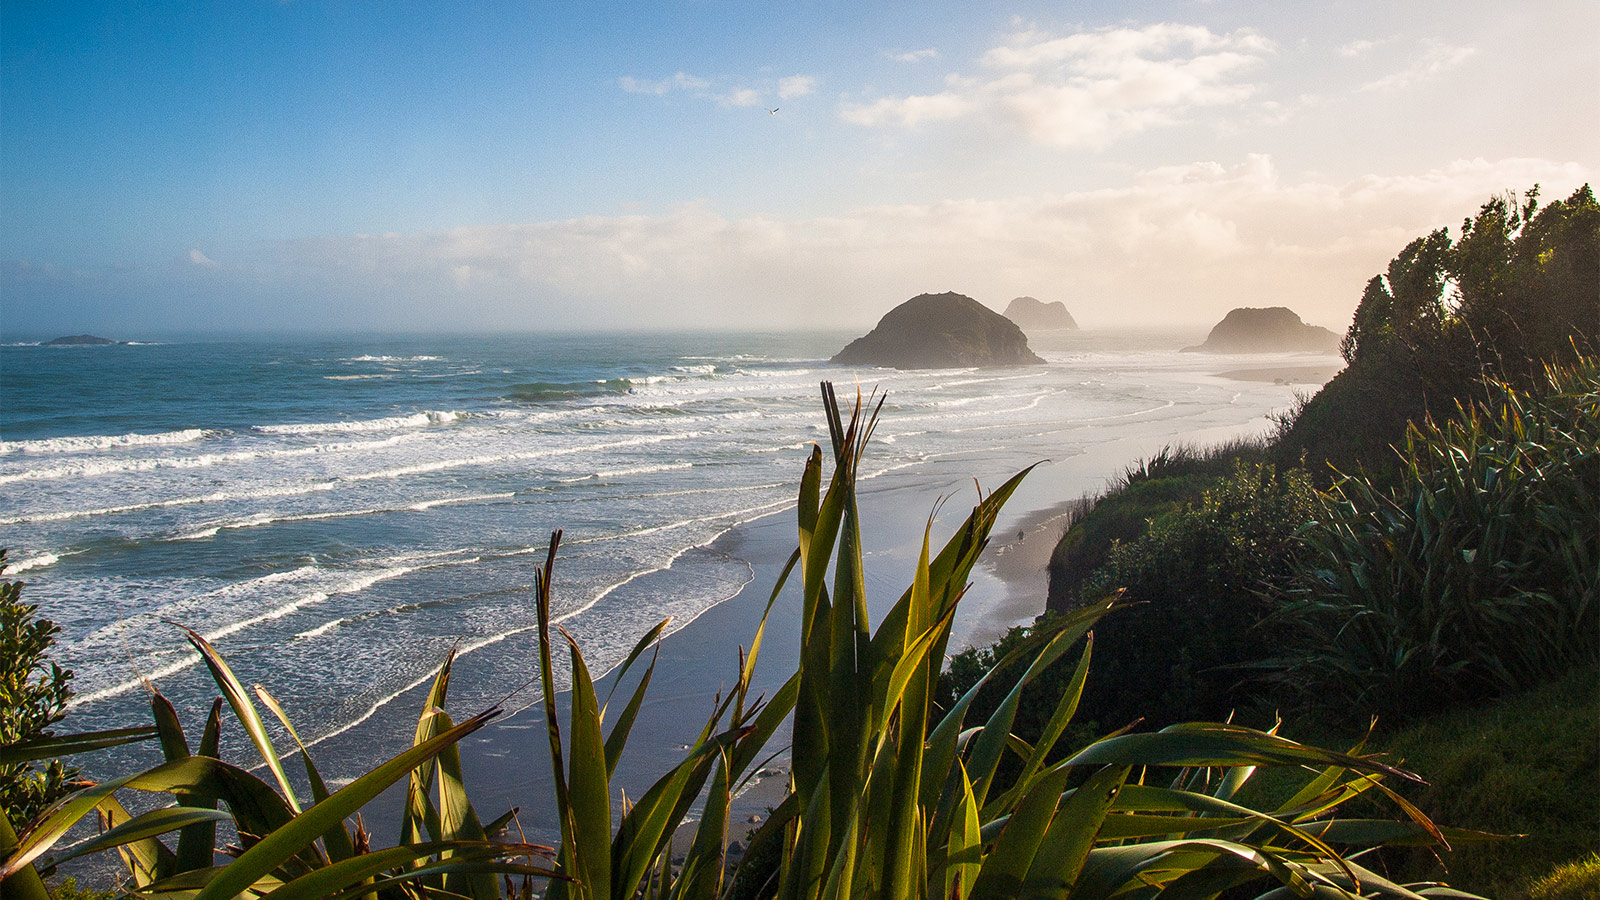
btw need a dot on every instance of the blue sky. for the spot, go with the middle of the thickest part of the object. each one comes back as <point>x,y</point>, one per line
<point>264,166</point>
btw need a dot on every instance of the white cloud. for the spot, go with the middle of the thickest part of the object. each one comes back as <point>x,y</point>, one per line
<point>1090,88</point>
<point>912,56</point>
<point>910,111</point>
<point>200,259</point>
<point>796,86</point>
<point>742,97</point>
<point>1434,58</point>
<point>679,81</point>
<point>1358,48</point>
<point>1179,243</point>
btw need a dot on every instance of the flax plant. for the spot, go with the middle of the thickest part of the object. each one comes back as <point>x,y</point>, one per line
<point>289,847</point>
<point>1477,574</point>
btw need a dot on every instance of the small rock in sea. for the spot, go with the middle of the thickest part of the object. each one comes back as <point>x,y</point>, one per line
<point>753,819</point>
<point>940,331</point>
<point>768,773</point>
<point>735,849</point>
<point>677,860</point>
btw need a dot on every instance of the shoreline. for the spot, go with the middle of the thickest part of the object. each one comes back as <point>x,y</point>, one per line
<point>506,764</point>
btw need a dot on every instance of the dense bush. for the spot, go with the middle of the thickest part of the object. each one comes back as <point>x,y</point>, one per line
<point>1478,573</point>
<point>33,697</point>
<point>1198,580</point>
<point>1156,486</point>
<point>1196,587</point>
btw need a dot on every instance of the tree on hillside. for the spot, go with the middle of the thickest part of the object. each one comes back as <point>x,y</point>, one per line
<point>1520,284</point>
<point>1518,289</point>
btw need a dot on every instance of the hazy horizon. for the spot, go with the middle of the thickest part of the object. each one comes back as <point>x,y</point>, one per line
<point>300,167</point>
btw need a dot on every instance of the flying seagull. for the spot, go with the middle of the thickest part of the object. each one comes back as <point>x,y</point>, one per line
<point>772,112</point>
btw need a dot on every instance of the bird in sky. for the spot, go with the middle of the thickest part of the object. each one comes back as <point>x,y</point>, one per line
<point>772,112</point>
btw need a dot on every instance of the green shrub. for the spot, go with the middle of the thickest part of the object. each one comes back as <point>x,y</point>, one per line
<point>1120,516</point>
<point>33,697</point>
<point>1198,580</point>
<point>68,889</point>
<point>1478,573</point>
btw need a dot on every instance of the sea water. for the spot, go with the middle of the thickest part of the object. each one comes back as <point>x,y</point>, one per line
<point>335,514</point>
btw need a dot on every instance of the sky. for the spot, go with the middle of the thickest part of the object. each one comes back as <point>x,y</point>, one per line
<point>258,166</point>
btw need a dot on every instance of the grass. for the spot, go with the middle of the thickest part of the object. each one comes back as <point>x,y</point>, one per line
<point>1526,764</point>
<point>1529,764</point>
<point>1578,880</point>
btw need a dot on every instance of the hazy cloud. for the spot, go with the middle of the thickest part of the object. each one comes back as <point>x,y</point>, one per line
<point>796,86</point>
<point>1090,88</point>
<point>1358,48</point>
<point>679,81</point>
<point>742,97</point>
<point>1434,58</point>
<point>912,56</point>
<point>1179,243</point>
<point>911,111</point>
<point>200,259</point>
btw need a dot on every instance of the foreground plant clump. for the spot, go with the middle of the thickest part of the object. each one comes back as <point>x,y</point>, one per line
<point>890,796</point>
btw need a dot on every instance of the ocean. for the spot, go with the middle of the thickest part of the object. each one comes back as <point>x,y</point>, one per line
<point>335,514</point>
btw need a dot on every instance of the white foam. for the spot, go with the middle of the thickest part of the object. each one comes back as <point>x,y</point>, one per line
<point>441,465</point>
<point>415,420</point>
<point>322,629</point>
<point>393,358</point>
<point>103,441</point>
<point>33,562</point>
<point>97,467</point>
<point>216,497</point>
<point>474,498</point>
<point>643,470</point>
<point>352,586</point>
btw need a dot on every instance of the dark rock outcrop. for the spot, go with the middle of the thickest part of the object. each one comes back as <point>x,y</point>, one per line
<point>937,331</point>
<point>77,340</point>
<point>1030,313</point>
<point>1275,329</point>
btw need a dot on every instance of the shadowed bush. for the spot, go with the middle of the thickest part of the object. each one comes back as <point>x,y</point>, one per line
<point>1477,574</point>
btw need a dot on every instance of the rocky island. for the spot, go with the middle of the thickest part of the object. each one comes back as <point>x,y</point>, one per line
<point>1031,313</point>
<point>1275,329</point>
<point>80,340</point>
<point>936,331</point>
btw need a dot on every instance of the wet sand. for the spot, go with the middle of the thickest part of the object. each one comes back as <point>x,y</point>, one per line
<point>1315,376</point>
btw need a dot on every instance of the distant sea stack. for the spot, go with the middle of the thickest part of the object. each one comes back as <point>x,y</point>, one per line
<point>940,331</point>
<point>79,340</point>
<point>1029,313</point>
<point>1275,329</point>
